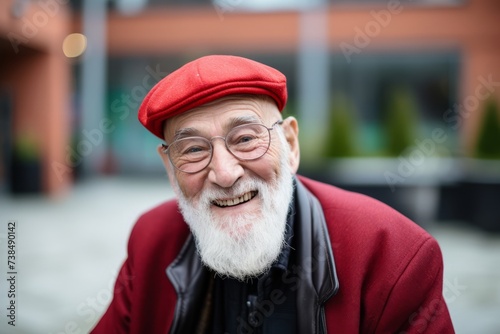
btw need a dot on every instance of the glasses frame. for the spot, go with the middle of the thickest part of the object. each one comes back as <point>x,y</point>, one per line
<point>165,147</point>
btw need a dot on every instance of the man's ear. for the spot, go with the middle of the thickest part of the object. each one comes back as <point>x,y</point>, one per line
<point>291,130</point>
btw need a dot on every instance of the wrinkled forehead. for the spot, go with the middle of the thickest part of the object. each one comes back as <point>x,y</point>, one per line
<point>228,112</point>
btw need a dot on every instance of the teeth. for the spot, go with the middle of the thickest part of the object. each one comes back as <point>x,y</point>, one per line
<point>231,202</point>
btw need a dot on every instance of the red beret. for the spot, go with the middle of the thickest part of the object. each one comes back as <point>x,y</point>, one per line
<point>207,79</point>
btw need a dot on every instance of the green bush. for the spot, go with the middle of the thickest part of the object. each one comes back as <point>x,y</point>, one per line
<point>26,148</point>
<point>488,142</point>
<point>400,121</point>
<point>341,133</point>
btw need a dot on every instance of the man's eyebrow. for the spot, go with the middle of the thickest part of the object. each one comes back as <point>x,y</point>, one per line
<point>233,122</point>
<point>241,120</point>
<point>186,132</point>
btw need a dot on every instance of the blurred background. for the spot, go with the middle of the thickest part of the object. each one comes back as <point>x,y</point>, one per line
<point>395,99</point>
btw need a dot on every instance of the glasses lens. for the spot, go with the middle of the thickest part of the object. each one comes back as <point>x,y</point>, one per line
<point>190,154</point>
<point>248,142</point>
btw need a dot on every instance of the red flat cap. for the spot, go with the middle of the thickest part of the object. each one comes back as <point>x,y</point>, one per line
<point>207,79</point>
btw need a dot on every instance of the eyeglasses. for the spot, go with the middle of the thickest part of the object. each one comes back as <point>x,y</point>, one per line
<point>245,142</point>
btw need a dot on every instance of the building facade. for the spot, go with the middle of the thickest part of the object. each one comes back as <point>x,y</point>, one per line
<point>445,53</point>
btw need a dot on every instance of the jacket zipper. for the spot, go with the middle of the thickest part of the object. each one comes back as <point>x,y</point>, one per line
<point>322,321</point>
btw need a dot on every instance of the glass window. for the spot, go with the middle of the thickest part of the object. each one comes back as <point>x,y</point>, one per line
<point>428,81</point>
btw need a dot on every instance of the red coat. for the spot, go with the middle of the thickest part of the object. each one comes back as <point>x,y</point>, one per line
<point>390,270</point>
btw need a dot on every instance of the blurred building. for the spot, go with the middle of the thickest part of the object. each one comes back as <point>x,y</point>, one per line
<point>35,94</point>
<point>442,55</point>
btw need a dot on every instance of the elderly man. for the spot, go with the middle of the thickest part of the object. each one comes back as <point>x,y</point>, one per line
<point>249,246</point>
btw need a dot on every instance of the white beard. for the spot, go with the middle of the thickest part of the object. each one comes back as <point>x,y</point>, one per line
<point>244,245</point>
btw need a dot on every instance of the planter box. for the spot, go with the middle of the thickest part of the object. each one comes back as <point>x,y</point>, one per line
<point>411,188</point>
<point>481,193</point>
<point>25,177</point>
<point>437,189</point>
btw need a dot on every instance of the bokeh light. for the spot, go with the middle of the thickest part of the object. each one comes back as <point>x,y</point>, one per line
<point>74,45</point>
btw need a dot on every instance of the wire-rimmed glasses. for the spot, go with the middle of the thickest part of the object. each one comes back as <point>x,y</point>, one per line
<point>245,142</point>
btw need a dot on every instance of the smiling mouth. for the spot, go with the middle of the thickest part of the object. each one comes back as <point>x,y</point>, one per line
<point>235,201</point>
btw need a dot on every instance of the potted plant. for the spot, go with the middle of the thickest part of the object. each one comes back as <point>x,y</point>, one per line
<point>340,140</point>
<point>26,169</point>
<point>483,173</point>
<point>400,121</point>
<point>488,143</point>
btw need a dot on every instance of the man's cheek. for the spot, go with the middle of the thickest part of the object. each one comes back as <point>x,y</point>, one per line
<point>191,189</point>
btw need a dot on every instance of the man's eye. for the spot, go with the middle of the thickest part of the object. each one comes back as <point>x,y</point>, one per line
<point>193,150</point>
<point>244,139</point>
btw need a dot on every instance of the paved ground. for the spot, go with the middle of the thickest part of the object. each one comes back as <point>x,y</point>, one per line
<point>69,251</point>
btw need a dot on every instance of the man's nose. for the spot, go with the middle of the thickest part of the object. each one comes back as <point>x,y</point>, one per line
<point>225,168</point>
